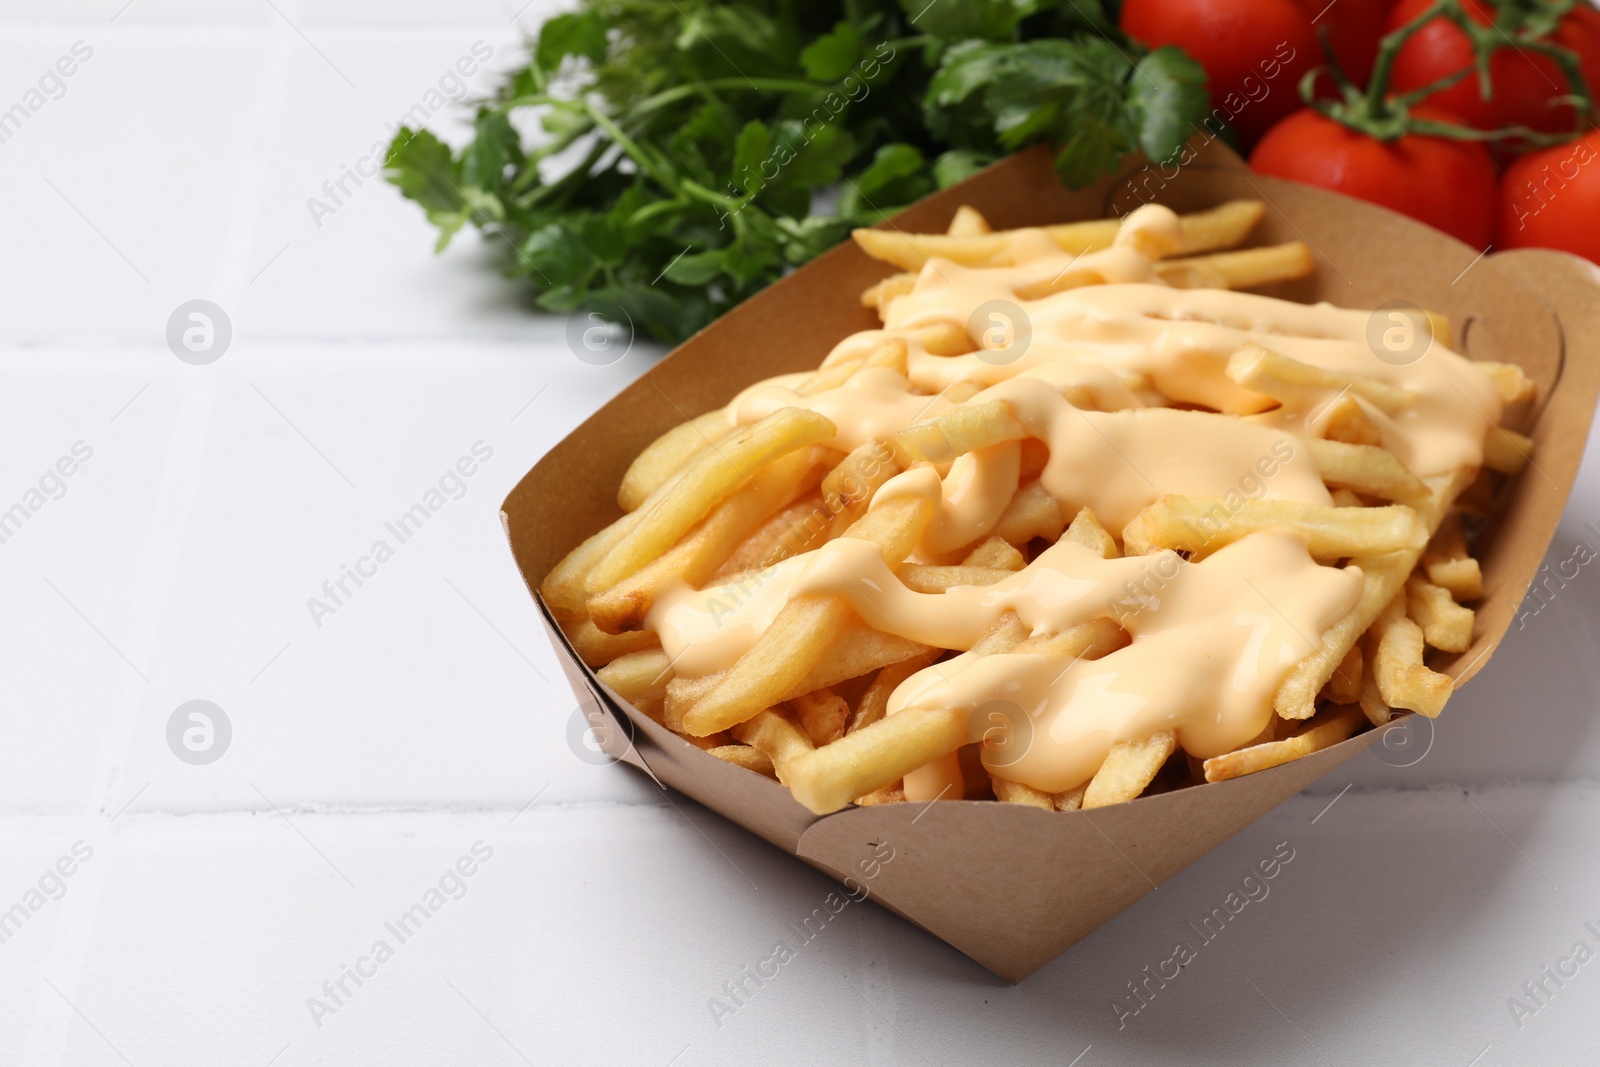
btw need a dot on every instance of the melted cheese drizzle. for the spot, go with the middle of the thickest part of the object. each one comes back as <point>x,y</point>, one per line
<point>1211,641</point>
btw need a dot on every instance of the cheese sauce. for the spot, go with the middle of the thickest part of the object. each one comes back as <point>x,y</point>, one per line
<point>1211,641</point>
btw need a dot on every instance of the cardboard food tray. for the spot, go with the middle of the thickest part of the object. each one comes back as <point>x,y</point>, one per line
<point>1539,309</point>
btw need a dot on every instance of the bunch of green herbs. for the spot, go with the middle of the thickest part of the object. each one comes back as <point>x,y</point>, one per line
<point>662,160</point>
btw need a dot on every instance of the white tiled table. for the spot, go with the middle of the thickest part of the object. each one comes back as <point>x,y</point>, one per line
<point>426,716</point>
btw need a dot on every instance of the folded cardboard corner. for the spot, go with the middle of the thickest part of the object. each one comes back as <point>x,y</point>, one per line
<point>1538,309</point>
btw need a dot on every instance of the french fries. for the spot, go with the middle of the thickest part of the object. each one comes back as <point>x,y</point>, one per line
<point>941,439</point>
<point>703,483</point>
<point>667,455</point>
<point>1198,526</point>
<point>1130,766</point>
<point>1221,227</point>
<point>1263,370</point>
<point>1248,269</point>
<point>1367,470</point>
<point>828,629</point>
<point>1336,725</point>
<point>797,638</point>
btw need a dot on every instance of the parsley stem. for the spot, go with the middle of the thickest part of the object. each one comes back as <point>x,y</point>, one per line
<point>774,85</point>
<point>711,196</point>
<point>645,161</point>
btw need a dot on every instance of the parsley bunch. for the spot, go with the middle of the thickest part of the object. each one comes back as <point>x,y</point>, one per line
<point>666,159</point>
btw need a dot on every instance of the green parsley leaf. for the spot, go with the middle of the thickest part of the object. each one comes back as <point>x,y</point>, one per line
<point>1167,90</point>
<point>662,162</point>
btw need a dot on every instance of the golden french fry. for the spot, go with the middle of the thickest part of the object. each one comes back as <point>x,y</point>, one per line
<point>1130,766</point>
<point>857,650</point>
<point>1403,680</point>
<point>1463,577</point>
<point>911,251</point>
<point>887,795</point>
<point>783,655</point>
<point>1445,624</point>
<point>1060,282</point>
<point>702,484</point>
<point>822,714</point>
<point>596,648</point>
<point>1244,269</point>
<point>1331,728</point>
<point>1382,578</point>
<point>795,641</point>
<point>1373,706</point>
<point>707,743</point>
<point>921,578</point>
<point>887,352</point>
<point>1016,793</point>
<point>968,221</point>
<point>780,740</point>
<point>1033,512</point>
<point>665,456</point>
<point>697,557</point>
<point>751,759</point>
<point>640,678</point>
<point>1086,640</point>
<point>875,700</point>
<point>564,588</point>
<point>1200,525</point>
<point>882,752</point>
<point>995,552</point>
<point>1274,374</point>
<point>1447,564</point>
<point>1510,382</point>
<point>1345,685</point>
<point>1367,469</point>
<point>878,296</point>
<point>800,527</point>
<point>1189,274</point>
<point>848,488</point>
<point>944,437</point>
<point>1086,530</point>
<point>946,337</point>
<point>1345,498</point>
<point>1344,419</point>
<point>1506,451</point>
<point>1297,695</point>
<point>1071,799</point>
<point>828,778</point>
<point>1221,227</point>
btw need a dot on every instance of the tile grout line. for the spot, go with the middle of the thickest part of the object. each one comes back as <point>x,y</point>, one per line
<point>182,467</point>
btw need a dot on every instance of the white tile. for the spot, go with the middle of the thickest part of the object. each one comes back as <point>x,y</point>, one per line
<point>1396,933</point>
<point>430,682</point>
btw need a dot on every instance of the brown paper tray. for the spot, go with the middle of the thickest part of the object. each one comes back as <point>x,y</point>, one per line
<point>1538,309</point>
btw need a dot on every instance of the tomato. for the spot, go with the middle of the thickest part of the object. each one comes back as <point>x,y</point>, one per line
<point>1524,82</point>
<point>1447,184</point>
<point>1354,29</point>
<point>1254,52</point>
<point>1551,199</point>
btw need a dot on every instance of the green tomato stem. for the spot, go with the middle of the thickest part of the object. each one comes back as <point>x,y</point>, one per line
<point>1518,24</point>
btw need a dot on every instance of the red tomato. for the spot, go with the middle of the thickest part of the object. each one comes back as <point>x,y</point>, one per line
<point>1354,29</point>
<point>1447,184</point>
<point>1524,82</point>
<point>1551,199</point>
<point>1254,52</point>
